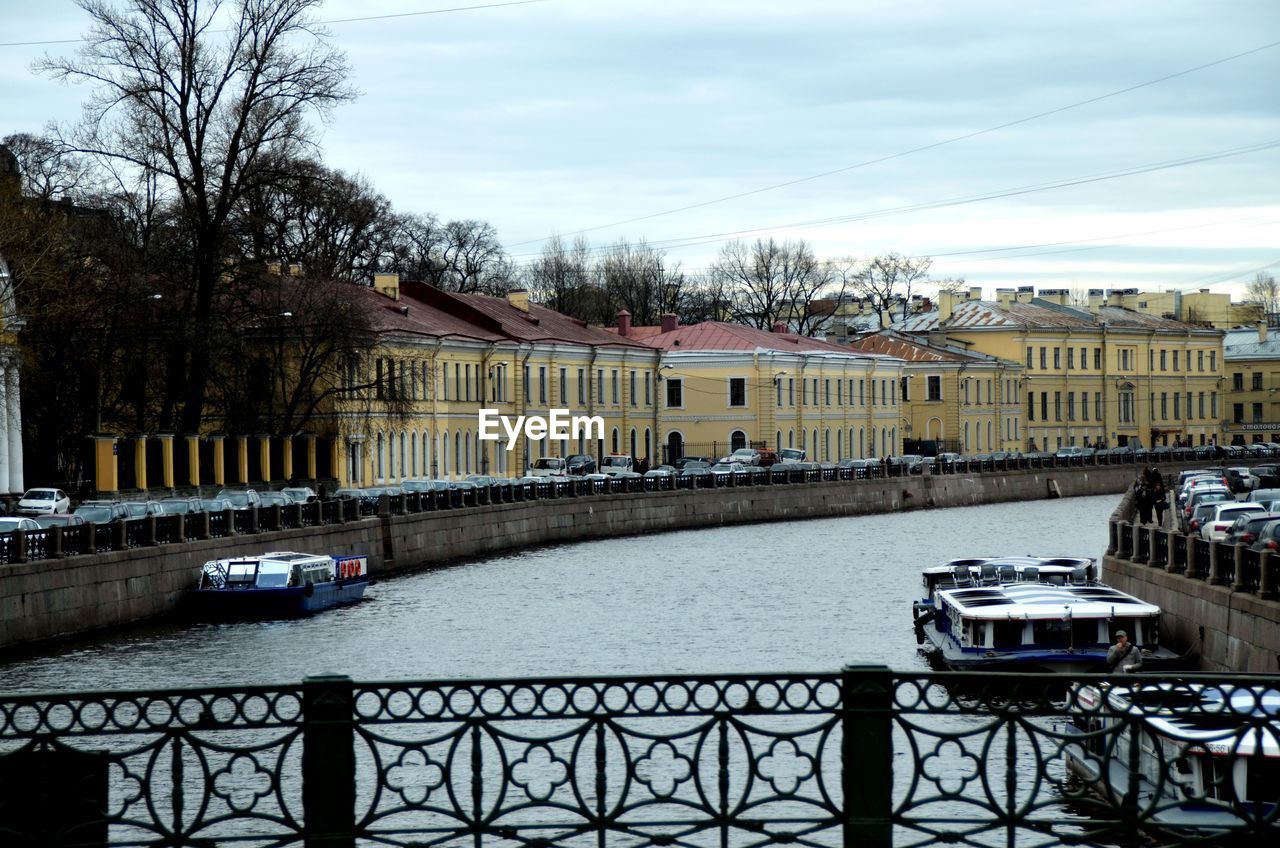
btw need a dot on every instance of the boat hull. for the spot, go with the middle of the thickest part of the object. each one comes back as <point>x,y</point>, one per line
<point>290,602</point>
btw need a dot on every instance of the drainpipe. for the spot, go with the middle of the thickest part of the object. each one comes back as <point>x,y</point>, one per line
<point>524,404</point>
<point>435,412</point>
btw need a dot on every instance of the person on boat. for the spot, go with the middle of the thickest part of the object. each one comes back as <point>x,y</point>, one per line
<point>1123,657</point>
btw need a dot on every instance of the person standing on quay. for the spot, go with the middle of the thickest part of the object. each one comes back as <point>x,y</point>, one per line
<point>1142,499</point>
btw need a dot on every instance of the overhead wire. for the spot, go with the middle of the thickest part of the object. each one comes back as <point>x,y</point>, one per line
<point>917,149</point>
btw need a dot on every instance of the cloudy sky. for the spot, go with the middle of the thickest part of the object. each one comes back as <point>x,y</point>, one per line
<point>862,127</point>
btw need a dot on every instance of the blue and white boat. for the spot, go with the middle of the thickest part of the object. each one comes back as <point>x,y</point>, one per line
<point>278,584</point>
<point>1207,756</point>
<point>1030,613</point>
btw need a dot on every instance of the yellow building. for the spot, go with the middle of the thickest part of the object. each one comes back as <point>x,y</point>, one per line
<point>1200,307</point>
<point>726,386</point>
<point>1107,376</point>
<point>414,405</point>
<point>956,399</point>
<point>1252,409</point>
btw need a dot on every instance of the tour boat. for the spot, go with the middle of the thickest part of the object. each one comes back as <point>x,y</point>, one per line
<point>1207,755</point>
<point>279,583</point>
<point>1031,613</point>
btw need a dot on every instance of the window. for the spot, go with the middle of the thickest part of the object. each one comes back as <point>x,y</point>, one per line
<point>1044,358</point>
<point>634,395</point>
<point>861,396</point>
<point>1257,413</point>
<point>1257,380</point>
<point>1126,407</point>
<point>1213,360</point>
<point>675,392</point>
<point>1164,360</point>
<point>564,389</point>
<point>933,385</point>
<point>1057,357</point>
<point>1097,359</point>
<point>582,387</point>
<point>791,391</point>
<point>1151,360</point>
<point>1057,406</point>
<point>600,385</point>
<point>542,384</point>
<point>737,391</point>
<point>1164,406</point>
<point>1237,382</point>
<point>1084,406</point>
<point>1213,399</point>
<point>1199,360</point>
<point>1175,360</point>
<point>826,392</point>
<point>1071,358</point>
<point>1044,406</point>
<point>804,392</point>
<point>1097,406</point>
<point>1030,352</point>
<point>1084,357</point>
<point>1071,406</point>
<point>457,381</point>
<point>1200,405</point>
<point>1031,406</point>
<point>613,383</point>
<point>815,391</point>
<point>839,398</point>
<point>1237,413</point>
<point>777,385</point>
<point>1177,405</point>
<point>648,397</point>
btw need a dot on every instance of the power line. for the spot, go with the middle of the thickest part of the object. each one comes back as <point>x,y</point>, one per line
<point>712,238</point>
<point>918,149</point>
<point>326,23</point>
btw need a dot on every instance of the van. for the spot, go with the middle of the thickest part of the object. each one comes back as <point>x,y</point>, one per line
<point>792,455</point>
<point>617,464</point>
<point>549,466</point>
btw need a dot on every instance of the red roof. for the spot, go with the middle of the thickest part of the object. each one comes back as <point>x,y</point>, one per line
<point>720,335</point>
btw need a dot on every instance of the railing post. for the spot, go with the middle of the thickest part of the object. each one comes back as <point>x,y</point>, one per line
<point>867,755</point>
<point>1266,577</point>
<point>55,542</point>
<point>1237,579</point>
<point>1171,560</point>
<point>1212,577</point>
<point>328,761</point>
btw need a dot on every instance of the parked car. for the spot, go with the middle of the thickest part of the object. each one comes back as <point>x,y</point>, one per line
<point>686,460</point>
<point>746,456</point>
<point>1206,495</point>
<point>43,501</point>
<point>792,455</point>
<point>1268,537</point>
<point>425,485</point>
<point>1260,495</point>
<point>549,466</point>
<point>180,506</point>
<point>17,522</point>
<point>484,479</point>
<point>240,498</point>
<point>723,467</point>
<point>299,494</point>
<point>1202,512</point>
<point>64,519</point>
<point>1068,452</point>
<point>1240,479</point>
<point>1268,475</point>
<point>698,470</point>
<point>580,464</point>
<point>141,509</point>
<point>616,463</point>
<point>1222,516</point>
<point>1245,529</point>
<point>266,499</point>
<point>215,504</point>
<point>102,512</point>
<point>661,471</point>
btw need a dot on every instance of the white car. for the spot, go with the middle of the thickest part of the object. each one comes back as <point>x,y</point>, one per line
<point>10,523</point>
<point>43,502</point>
<point>1215,529</point>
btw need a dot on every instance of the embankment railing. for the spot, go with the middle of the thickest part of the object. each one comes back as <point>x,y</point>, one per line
<point>867,756</point>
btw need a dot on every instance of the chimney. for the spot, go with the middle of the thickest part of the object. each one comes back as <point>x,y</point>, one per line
<point>1115,297</point>
<point>519,298</point>
<point>1004,296</point>
<point>1025,293</point>
<point>624,323</point>
<point>669,322</point>
<point>1062,297</point>
<point>387,284</point>
<point>946,303</point>
<point>1096,297</point>
<point>780,327</point>
<point>1262,332</point>
<point>975,292</point>
<point>404,310</point>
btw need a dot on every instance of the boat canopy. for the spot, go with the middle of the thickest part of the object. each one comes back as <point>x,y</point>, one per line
<point>1004,601</point>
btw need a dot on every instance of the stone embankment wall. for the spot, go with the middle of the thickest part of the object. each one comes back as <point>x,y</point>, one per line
<point>1231,630</point>
<point>51,598</point>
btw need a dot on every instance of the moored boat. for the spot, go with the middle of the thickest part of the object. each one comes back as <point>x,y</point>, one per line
<point>1196,759</point>
<point>1031,613</point>
<point>277,584</point>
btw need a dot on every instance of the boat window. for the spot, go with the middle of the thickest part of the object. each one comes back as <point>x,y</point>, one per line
<point>1008,634</point>
<point>1217,772</point>
<point>273,580</point>
<point>979,638</point>
<point>1263,779</point>
<point>1051,633</point>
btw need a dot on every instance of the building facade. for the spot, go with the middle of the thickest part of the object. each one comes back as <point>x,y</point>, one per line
<point>1252,385</point>
<point>1108,376</point>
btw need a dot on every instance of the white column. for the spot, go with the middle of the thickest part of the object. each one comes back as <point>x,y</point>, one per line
<point>4,425</point>
<point>13,397</point>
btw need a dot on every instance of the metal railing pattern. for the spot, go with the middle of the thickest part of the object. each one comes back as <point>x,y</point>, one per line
<point>867,756</point>
<point>1258,572</point>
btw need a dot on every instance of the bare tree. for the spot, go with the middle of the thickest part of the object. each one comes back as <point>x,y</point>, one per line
<point>49,169</point>
<point>213,104</point>
<point>1264,291</point>
<point>472,259</point>
<point>559,277</point>
<point>887,280</point>
<point>773,282</point>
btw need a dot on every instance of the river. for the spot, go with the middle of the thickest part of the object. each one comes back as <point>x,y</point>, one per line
<point>788,596</point>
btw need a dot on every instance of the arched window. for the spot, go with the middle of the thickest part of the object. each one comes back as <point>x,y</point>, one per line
<point>737,440</point>
<point>839,444</point>
<point>826,445</point>
<point>634,445</point>
<point>791,438</point>
<point>648,445</point>
<point>966,437</point>
<point>813,445</point>
<point>467,453</point>
<point>862,435</point>
<point>777,440</point>
<point>382,459</point>
<point>402,453</point>
<point>443,453</point>
<point>457,453</point>
<point>614,440</point>
<point>990,444</point>
<point>675,446</point>
<point>413,454</point>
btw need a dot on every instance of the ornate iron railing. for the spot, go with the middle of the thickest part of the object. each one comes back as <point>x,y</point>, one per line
<point>864,757</point>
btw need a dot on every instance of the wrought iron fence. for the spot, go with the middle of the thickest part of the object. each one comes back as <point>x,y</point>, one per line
<point>867,756</point>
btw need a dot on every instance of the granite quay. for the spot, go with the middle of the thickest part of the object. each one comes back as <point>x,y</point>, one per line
<point>1218,599</point>
<point>57,583</point>
<point>866,756</point>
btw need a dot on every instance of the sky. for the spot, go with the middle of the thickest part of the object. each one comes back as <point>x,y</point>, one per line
<point>862,127</point>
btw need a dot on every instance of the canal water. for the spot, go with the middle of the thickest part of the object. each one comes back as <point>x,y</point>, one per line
<point>781,597</point>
